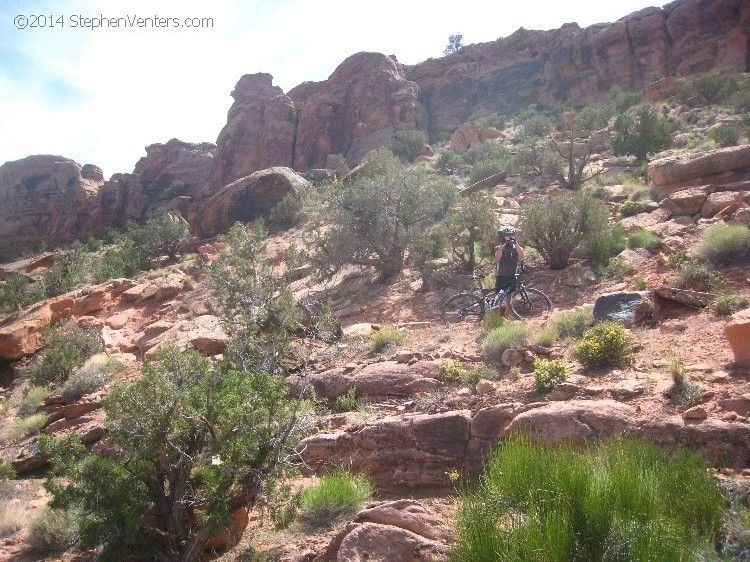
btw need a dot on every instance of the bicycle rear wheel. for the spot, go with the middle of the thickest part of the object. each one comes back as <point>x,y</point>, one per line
<point>462,308</point>
<point>529,303</point>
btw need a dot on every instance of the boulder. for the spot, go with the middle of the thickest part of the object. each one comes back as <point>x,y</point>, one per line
<point>724,203</point>
<point>687,201</point>
<point>720,166</point>
<point>245,200</point>
<point>386,543</point>
<point>737,332</point>
<point>407,514</point>
<point>646,220</point>
<point>624,307</point>
<point>203,333</point>
<point>21,334</point>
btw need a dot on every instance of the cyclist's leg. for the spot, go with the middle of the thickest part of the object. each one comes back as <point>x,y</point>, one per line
<point>506,283</point>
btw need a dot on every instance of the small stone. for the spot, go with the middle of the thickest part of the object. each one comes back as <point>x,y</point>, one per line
<point>695,413</point>
<point>699,368</point>
<point>350,366</point>
<point>485,387</point>
<point>720,377</point>
<point>464,392</point>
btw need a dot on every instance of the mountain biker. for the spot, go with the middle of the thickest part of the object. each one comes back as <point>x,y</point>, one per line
<point>507,255</point>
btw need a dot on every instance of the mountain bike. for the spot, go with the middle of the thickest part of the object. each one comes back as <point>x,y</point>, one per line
<point>525,302</point>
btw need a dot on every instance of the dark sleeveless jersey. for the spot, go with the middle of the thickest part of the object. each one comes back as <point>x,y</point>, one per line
<point>508,262</point>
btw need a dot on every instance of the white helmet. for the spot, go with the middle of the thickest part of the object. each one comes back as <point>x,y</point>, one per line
<point>506,231</point>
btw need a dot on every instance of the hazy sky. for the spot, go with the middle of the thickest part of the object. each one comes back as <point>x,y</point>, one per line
<point>101,95</point>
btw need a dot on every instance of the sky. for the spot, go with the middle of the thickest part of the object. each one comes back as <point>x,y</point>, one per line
<point>76,85</point>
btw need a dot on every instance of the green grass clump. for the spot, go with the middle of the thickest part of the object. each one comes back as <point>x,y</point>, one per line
<point>631,208</point>
<point>572,325</point>
<point>335,495</point>
<point>31,400</point>
<point>724,245</point>
<point>90,377</point>
<point>698,276</point>
<point>619,500</point>
<point>546,337</point>
<point>493,319</point>
<point>502,338</point>
<point>345,402</point>
<point>7,472</point>
<point>387,336</point>
<point>53,529</point>
<point>724,135</point>
<point>23,427</point>
<point>726,305</point>
<point>644,239</point>
<point>548,373</point>
<point>605,345</point>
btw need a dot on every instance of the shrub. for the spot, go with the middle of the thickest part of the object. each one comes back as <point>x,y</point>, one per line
<point>32,399</point>
<point>378,217</point>
<point>599,247</point>
<point>17,293</point>
<point>502,338</point>
<point>556,227</point>
<point>493,319</point>
<point>409,144</point>
<point>345,402</point>
<point>7,472</point>
<point>616,500</point>
<point>724,135</point>
<point>644,239</point>
<point>726,305</point>
<point>548,373</point>
<point>337,163</point>
<point>546,337</point>
<point>336,495</point>
<point>487,168</point>
<point>12,517</point>
<point>607,344</point>
<point>643,133</point>
<point>67,347</point>
<point>471,229</point>
<point>90,377</point>
<point>65,273</point>
<point>23,427</point>
<point>724,245</point>
<point>708,88</point>
<point>450,371</point>
<point>53,529</point>
<point>698,276</point>
<point>287,212</point>
<point>572,325</point>
<point>282,502</point>
<point>449,161</point>
<point>387,336</point>
<point>630,208</point>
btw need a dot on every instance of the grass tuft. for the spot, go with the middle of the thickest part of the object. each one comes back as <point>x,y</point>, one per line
<point>336,495</point>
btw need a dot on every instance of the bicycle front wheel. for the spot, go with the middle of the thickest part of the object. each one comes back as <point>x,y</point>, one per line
<point>463,308</point>
<point>530,303</point>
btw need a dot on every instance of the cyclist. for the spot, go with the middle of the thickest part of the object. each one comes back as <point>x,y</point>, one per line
<point>507,255</point>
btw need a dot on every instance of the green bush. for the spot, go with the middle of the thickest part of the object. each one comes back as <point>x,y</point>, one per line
<point>697,276</point>
<point>548,373</point>
<point>471,229</point>
<point>31,400</point>
<point>717,85</point>
<point>724,135</point>
<point>607,344</point>
<point>617,500</point>
<point>487,168</point>
<point>387,336</point>
<point>287,212</point>
<point>726,305</point>
<point>572,325</point>
<point>23,427</point>
<point>600,246</point>
<point>450,371</point>
<point>493,319</point>
<point>643,133</point>
<point>546,337</point>
<point>724,245</point>
<point>66,347</point>
<point>17,292</point>
<point>337,163</point>
<point>449,161</point>
<point>67,272</point>
<point>502,338</point>
<point>7,472</point>
<point>409,144</point>
<point>53,529</point>
<point>345,402</point>
<point>336,495</point>
<point>90,377</point>
<point>282,502</point>
<point>644,239</point>
<point>556,227</point>
<point>630,208</point>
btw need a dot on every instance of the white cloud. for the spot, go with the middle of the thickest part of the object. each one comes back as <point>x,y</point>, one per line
<point>101,96</point>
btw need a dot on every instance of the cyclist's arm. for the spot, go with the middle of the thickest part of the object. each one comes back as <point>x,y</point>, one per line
<point>521,253</point>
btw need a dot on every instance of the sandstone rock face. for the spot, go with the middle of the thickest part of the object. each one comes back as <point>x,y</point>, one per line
<point>737,333</point>
<point>260,131</point>
<point>386,543</point>
<point>51,200</point>
<point>21,334</point>
<point>174,161</point>
<point>626,308</point>
<point>245,200</point>
<point>720,166</point>
<point>360,107</point>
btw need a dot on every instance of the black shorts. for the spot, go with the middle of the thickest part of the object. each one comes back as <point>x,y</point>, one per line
<point>505,283</point>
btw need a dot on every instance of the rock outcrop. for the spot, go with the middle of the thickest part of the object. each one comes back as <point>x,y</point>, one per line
<point>360,107</point>
<point>49,200</point>
<point>176,168</point>
<point>245,200</point>
<point>260,131</point>
<point>737,333</point>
